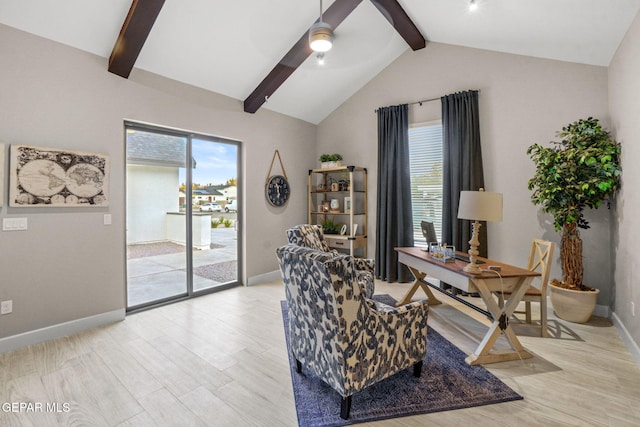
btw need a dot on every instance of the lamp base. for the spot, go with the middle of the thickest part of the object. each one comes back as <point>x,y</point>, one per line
<point>472,267</point>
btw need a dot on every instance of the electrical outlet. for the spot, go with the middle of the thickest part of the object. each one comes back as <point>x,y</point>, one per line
<point>633,309</point>
<point>6,307</point>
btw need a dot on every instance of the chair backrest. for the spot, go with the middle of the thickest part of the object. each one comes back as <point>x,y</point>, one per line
<point>325,308</point>
<point>309,236</point>
<point>428,231</point>
<point>540,258</point>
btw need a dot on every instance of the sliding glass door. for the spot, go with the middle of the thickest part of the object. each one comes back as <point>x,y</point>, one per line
<point>182,215</point>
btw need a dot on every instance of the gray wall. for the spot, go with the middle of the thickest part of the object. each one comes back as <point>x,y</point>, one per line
<point>68,265</point>
<point>522,100</point>
<point>624,104</point>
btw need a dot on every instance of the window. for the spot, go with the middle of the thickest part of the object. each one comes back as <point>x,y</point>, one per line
<point>425,157</point>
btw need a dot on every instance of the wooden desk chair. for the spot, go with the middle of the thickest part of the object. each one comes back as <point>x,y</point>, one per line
<point>539,259</point>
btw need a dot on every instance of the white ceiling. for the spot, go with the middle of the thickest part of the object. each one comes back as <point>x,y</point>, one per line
<point>228,47</point>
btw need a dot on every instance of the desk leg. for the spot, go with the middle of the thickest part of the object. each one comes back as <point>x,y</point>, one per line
<point>406,299</point>
<point>483,353</point>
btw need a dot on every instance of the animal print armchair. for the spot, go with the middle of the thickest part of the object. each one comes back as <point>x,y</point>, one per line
<point>346,339</point>
<point>312,236</point>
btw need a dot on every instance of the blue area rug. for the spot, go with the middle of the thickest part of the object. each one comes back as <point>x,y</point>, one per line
<point>447,383</point>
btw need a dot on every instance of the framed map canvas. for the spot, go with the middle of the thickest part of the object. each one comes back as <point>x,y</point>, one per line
<point>1,174</point>
<point>50,177</point>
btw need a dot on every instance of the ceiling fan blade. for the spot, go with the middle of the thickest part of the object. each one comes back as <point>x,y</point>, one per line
<point>135,29</point>
<point>300,51</point>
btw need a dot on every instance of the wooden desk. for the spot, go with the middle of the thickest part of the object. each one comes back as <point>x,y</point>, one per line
<point>511,278</point>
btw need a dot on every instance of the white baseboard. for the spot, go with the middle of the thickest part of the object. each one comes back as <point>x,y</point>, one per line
<point>633,347</point>
<point>602,311</point>
<point>60,330</point>
<point>263,278</point>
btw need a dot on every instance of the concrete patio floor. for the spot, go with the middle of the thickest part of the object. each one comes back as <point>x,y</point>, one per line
<point>155,277</point>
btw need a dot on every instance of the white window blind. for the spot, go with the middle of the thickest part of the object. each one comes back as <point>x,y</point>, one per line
<point>425,155</point>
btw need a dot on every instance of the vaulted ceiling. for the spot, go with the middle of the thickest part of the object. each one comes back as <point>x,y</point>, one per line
<point>231,47</point>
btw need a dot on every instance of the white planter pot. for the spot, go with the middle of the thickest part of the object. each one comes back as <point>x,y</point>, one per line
<point>327,165</point>
<point>574,306</point>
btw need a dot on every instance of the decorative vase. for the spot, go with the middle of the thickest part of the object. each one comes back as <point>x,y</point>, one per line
<point>574,306</point>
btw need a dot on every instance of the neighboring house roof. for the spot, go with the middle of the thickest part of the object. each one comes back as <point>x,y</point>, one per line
<point>203,192</point>
<point>145,148</point>
<point>218,187</point>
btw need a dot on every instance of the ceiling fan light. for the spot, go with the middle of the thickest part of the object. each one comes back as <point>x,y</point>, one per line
<point>321,37</point>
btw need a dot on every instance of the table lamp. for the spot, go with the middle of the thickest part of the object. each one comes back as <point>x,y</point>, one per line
<point>478,206</point>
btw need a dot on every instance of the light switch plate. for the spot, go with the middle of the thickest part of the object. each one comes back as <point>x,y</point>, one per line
<point>107,219</point>
<point>14,224</point>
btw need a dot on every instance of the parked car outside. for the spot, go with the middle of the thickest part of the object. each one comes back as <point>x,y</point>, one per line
<point>232,206</point>
<point>211,207</point>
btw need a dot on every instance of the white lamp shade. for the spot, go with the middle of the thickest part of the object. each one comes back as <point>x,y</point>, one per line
<point>480,205</point>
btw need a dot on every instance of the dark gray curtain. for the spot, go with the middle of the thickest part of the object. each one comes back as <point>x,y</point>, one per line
<point>462,167</point>
<point>394,225</point>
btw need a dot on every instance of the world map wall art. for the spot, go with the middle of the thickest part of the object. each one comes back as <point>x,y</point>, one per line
<point>50,177</point>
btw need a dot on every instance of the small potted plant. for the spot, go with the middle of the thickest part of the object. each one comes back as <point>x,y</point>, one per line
<point>329,226</point>
<point>582,170</point>
<point>330,161</point>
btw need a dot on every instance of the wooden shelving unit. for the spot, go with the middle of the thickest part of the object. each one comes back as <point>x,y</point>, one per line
<point>338,183</point>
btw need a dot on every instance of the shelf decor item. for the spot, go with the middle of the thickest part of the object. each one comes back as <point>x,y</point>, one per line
<point>330,161</point>
<point>347,205</point>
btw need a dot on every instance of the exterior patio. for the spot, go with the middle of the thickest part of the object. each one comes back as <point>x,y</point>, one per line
<point>157,270</point>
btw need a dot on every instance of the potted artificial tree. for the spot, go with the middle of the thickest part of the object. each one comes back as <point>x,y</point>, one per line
<point>582,170</point>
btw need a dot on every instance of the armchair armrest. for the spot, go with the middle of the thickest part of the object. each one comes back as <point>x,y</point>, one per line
<point>381,307</point>
<point>364,264</point>
<point>406,327</point>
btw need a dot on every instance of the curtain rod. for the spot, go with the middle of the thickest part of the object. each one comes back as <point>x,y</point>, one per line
<point>429,100</point>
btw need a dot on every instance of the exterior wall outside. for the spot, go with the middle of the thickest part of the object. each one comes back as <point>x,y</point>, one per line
<point>152,191</point>
<point>229,193</point>
<point>68,265</point>
<point>200,229</point>
<point>523,100</point>
<point>624,104</point>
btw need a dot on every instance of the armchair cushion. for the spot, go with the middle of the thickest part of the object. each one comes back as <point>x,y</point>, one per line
<point>343,337</point>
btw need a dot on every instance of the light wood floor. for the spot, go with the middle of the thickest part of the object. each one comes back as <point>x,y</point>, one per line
<point>220,360</point>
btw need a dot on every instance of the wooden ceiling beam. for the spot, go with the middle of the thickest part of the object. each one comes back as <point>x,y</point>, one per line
<point>397,16</point>
<point>133,34</point>
<point>334,16</point>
